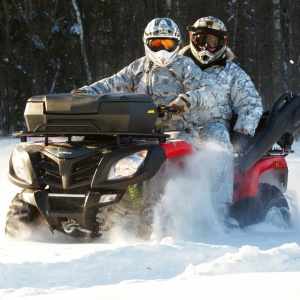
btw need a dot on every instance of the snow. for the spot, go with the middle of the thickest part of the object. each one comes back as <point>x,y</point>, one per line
<point>258,262</point>
<point>75,29</point>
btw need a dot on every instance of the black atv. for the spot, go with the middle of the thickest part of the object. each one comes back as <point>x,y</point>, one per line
<point>108,161</point>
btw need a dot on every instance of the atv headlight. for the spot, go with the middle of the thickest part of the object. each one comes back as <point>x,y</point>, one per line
<point>107,198</point>
<point>127,166</point>
<point>19,165</point>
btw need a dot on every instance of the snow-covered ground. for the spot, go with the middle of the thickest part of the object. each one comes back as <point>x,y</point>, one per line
<point>259,262</point>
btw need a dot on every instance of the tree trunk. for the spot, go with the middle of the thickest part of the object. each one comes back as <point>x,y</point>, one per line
<point>81,35</point>
<point>277,60</point>
<point>9,118</point>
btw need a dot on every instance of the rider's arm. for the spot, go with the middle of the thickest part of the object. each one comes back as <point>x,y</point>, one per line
<point>246,102</point>
<point>120,82</point>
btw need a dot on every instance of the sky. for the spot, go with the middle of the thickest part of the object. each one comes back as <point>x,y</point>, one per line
<point>258,262</point>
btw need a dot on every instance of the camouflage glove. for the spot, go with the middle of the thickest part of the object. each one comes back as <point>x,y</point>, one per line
<point>181,103</point>
<point>78,92</point>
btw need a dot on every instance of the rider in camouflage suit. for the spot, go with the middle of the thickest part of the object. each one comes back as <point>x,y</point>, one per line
<point>162,74</point>
<point>231,90</point>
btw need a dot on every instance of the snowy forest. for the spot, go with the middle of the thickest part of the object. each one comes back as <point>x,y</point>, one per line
<point>56,45</point>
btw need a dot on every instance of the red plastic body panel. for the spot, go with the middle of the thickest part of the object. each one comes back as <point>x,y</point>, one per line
<point>245,185</point>
<point>177,148</point>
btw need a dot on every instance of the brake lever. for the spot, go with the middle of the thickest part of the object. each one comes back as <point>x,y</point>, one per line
<point>168,111</point>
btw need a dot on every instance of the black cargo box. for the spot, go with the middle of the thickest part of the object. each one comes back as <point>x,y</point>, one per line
<point>58,113</point>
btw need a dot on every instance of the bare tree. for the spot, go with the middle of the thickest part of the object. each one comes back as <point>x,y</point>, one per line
<point>39,50</point>
<point>82,42</point>
<point>8,118</point>
<point>277,59</point>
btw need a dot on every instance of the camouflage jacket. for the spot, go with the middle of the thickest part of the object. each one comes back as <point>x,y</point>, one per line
<point>163,84</point>
<point>230,89</point>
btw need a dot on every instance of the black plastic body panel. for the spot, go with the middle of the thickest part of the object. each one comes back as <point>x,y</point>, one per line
<point>283,118</point>
<point>91,113</point>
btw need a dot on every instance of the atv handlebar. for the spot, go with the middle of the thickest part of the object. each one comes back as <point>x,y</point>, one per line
<point>164,110</point>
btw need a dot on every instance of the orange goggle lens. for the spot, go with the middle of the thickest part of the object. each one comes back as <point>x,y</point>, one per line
<point>158,43</point>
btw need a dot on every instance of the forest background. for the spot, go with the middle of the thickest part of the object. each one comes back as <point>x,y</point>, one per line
<point>53,46</point>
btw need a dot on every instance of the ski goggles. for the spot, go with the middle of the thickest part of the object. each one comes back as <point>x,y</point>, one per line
<point>212,41</point>
<point>159,44</point>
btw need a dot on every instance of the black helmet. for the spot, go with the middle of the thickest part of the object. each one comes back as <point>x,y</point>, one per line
<point>208,39</point>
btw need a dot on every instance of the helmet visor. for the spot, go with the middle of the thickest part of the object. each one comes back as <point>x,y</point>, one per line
<point>201,40</point>
<point>159,44</point>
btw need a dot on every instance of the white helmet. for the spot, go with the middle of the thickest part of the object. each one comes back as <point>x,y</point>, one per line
<point>208,39</point>
<point>162,39</point>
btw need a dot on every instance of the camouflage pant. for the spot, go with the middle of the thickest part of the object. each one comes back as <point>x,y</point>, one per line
<point>214,137</point>
<point>215,132</point>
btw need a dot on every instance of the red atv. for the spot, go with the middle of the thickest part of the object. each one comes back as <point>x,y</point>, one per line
<point>108,161</point>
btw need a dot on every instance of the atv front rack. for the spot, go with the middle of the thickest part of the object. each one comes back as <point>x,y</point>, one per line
<point>23,135</point>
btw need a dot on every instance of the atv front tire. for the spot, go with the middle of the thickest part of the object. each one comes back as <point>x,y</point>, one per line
<point>21,216</point>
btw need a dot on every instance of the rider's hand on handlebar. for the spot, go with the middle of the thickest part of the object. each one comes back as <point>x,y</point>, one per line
<point>181,103</point>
